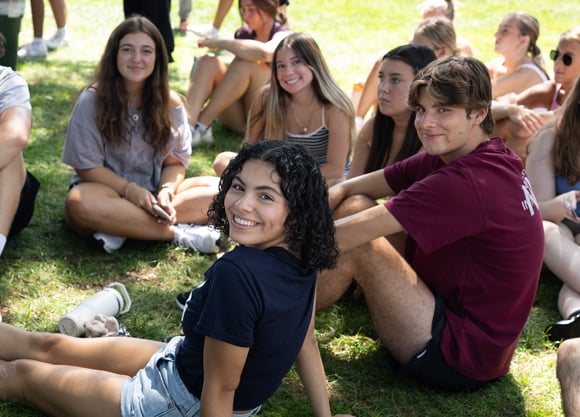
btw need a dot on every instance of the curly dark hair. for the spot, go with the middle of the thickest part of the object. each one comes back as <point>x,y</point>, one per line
<point>309,225</point>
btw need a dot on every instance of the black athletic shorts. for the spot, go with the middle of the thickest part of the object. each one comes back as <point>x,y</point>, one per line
<point>26,205</point>
<point>430,367</point>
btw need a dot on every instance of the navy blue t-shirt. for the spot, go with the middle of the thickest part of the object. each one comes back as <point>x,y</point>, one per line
<point>261,299</point>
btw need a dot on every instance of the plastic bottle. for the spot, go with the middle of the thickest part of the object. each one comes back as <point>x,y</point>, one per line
<point>112,300</point>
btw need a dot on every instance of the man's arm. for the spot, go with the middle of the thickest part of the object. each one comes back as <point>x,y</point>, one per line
<point>15,123</point>
<point>366,225</point>
<point>373,185</point>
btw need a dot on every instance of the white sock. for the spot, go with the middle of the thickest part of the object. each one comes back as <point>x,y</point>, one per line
<point>37,40</point>
<point>2,243</point>
<point>61,31</point>
<point>201,127</point>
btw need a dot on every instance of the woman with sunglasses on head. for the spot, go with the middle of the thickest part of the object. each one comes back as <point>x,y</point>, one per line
<point>519,117</point>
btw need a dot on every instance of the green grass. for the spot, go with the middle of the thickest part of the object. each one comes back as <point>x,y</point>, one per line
<point>47,270</point>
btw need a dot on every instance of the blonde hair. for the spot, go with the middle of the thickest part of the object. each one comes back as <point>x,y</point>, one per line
<point>572,34</point>
<point>441,33</point>
<point>443,7</point>
<point>275,99</point>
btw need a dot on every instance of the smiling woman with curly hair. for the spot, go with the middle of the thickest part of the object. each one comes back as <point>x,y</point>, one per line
<point>244,326</point>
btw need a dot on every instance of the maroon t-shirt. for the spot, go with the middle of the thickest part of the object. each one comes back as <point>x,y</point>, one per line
<point>476,240</point>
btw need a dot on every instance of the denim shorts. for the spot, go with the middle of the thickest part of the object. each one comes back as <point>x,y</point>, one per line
<point>157,389</point>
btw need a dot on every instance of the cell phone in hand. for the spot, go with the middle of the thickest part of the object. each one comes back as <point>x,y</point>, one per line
<point>159,212</point>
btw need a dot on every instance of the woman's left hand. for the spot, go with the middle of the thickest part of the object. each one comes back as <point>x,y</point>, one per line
<point>167,214</point>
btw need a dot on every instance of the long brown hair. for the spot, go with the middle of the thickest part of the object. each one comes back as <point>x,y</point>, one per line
<point>270,7</point>
<point>566,150</point>
<point>112,99</point>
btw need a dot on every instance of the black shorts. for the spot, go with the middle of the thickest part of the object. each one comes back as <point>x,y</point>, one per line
<point>430,367</point>
<point>573,226</point>
<point>26,205</point>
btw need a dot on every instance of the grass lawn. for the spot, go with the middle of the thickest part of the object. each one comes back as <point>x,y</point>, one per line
<point>47,270</point>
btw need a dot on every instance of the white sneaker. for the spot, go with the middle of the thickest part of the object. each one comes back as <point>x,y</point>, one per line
<point>33,50</point>
<point>203,239</point>
<point>198,137</point>
<point>110,243</point>
<point>204,31</point>
<point>57,40</point>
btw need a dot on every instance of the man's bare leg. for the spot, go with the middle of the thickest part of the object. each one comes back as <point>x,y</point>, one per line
<point>400,304</point>
<point>568,371</point>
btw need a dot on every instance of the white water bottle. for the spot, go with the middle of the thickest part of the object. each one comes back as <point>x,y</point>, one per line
<point>112,300</point>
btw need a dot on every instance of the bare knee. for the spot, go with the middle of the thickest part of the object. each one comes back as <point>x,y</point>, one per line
<point>42,344</point>
<point>221,161</point>
<point>242,66</point>
<point>568,362</point>
<point>78,212</point>
<point>205,64</point>
<point>353,204</point>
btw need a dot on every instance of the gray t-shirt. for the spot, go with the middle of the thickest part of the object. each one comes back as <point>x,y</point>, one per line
<point>135,160</point>
<point>13,90</point>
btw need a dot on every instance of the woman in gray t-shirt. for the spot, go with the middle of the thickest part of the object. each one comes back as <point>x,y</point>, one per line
<point>129,143</point>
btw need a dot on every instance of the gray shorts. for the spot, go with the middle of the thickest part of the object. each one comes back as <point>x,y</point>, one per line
<point>157,389</point>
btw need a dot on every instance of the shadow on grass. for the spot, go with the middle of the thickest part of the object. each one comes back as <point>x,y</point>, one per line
<point>362,382</point>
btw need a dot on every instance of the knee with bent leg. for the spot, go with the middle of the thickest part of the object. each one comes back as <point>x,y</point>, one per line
<point>353,204</point>
<point>568,361</point>
<point>221,161</point>
<point>78,211</point>
<point>204,64</point>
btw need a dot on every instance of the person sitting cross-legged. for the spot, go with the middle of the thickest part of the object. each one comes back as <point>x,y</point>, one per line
<point>449,316</point>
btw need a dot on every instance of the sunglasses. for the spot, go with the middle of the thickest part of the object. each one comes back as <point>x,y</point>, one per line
<point>566,58</point>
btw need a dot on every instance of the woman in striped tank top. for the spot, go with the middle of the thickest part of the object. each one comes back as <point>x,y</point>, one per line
<point>303,104</point>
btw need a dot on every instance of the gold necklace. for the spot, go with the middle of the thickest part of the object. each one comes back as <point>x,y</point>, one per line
<point>299,120</point>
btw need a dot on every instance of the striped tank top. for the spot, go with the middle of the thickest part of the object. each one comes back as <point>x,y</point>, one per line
<point>316,142</point>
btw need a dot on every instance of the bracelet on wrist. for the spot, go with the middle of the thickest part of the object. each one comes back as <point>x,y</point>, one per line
<point>169,187</point>
<point>126,189</point>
